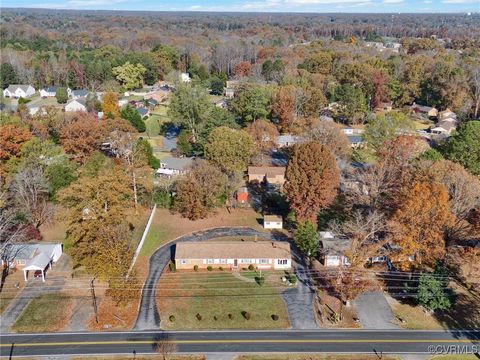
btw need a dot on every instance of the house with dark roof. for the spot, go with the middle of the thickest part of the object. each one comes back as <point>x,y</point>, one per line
<point>333,249</point>
<point>143,111</point>
<point>75,94</point>
<point>50,91</point>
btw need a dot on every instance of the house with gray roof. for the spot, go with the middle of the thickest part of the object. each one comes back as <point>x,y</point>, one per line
<point>172,166</point>
<point>50,91</point>
<point>333,249</point>
<point>77,104</point>
<point>75,94</point>
<point>19,91</point>
<point>286,140</point>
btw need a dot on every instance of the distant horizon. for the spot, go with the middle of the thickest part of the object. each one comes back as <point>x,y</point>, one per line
<point>257,6</point>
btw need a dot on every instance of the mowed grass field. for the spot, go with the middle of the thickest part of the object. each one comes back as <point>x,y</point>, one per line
<point>45,313</point>
<point>221,300</point>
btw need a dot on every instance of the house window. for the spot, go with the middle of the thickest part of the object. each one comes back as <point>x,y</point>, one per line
<point>282,261</point>
<point>183,262</point>
<point>209,261</point>
<point>263,261</point>
<point>246,261</point>
<point>21,262</point>
<point>223,261</point>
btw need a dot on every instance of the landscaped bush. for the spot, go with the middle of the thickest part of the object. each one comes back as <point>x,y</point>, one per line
<point>246,315</point>
<point>251,267</point>
<point>23,100</point>
<point>215,317</point>
<point>172,267</point>
<point>199,317</point>
<point>195,267</point>
<point>230,316</point>
<point>221,268</point>
<point>171,318</point>
<point>260,280</point>
<point>209,268</point>
<point>274,317</point>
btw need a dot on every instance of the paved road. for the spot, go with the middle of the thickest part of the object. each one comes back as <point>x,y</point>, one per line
<point>288,341</point>
<point>298,299</point>
<point>374,311</point>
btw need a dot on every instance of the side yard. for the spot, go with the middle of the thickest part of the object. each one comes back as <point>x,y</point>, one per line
<point>221,300</point>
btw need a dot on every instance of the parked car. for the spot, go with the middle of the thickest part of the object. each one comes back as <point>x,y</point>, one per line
<point>37,274</point>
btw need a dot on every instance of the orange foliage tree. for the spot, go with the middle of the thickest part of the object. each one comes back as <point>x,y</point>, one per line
<point>284,102</point>
<point>243,69</point>
<point>418,225</point>
<point>110,105</point>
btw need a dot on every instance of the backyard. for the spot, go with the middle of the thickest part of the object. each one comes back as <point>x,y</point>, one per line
<point>221,300</point>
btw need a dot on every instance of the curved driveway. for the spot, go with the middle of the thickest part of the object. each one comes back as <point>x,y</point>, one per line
<point>299,299</point>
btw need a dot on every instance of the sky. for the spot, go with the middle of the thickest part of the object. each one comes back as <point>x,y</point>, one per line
<point>353,6</point>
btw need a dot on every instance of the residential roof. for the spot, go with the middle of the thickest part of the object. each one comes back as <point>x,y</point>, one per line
<point>422,108</point>
<point>283,139</point>
<point>335,245</point>
<point>39,262</point>
<point>152,101</point>
<point>79,93</point>
<point>175,163</point>
<point>267,170</point>
<point>233,250</point>
<point>355,139</point>
<point>272,218</point>
<point>50,89</point>
<point>28,251</point>
<point>13,88</point>
<point>80,100</point>
<point>447,125</point>
<point>142,111</point>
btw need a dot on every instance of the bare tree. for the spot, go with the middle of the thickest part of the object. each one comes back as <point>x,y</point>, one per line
<point>31,191</point>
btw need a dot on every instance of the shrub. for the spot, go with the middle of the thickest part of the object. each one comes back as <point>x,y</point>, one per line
<point>171,318</point>
<point>23,100</point>
<point>230,316</point>
<point>260,280</point>
<point>209,268</point>
<point>215,317</point>
<point>221,268</point>
<point>195,267</point>
<point>246,315</point>
<point>251,267</point>
<point>292,278</point>
<point>199,317</point>
<point>274,317</point>
<point>172,267</point>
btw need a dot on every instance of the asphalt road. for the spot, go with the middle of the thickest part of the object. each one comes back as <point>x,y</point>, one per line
<point>287,341</point>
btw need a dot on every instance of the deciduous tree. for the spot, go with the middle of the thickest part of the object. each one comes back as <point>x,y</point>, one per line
<point>110,105</point>
<point>312,178</point>
<point>463,147</point>
<point>130,75</point>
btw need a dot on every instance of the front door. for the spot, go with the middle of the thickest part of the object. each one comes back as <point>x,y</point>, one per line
<point>235,262</point>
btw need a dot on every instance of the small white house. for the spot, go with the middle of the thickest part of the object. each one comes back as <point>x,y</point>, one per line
<point>272,222</point>
<point>19,91</point>
<point>172,166</point>
<point>48,92</point>
<point>76,105</point>
<point>333,249</point>
<point>185,77</point>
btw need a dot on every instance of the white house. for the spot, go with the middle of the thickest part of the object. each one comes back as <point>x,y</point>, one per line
<point>272,222</point>
<point>33,257</point>
<point>333,249</point>
<point>79,104</point>
<point>185,77</point>
<point>19,91</point>
<point>171,166</point>
<point>48,92</point>
<point>348,131</point>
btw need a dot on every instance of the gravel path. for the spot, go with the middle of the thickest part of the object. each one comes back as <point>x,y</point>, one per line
<point>298,300</point>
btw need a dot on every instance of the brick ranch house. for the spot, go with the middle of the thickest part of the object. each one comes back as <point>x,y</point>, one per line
<point>265,255</point>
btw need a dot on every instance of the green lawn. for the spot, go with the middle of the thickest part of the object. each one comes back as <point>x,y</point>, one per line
<point>214,295</point>
<point>44,313</point>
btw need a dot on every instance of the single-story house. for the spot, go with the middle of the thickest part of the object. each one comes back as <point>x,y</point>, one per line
<point>272,222</point>
<point>19,91</point>
<point>447,113</point>
<point>444,127</point>
<point>76,104</point>
<point>355,140</point>
<point>229,92</point>
<point>286,140</point>
<point>33,257</point>
<point>233,255</point>
<point>271,174</point>
<point>185,77</point>
<point>152,102</point>
<point>425,110</point>
<point>48,92</point>
<point>173,166</point>
<point>75,94</point>
<point>333,249</point>
<point>143,111</point>
<point>242,195</point>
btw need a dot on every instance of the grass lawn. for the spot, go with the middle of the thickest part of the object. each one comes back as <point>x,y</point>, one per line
<point>311,357</point>
<point>45,313</point>
<point>214,296</point>
<point>422,124</point>
<point>153,124</point>
<point>9,290</point>
<point>464,314</point>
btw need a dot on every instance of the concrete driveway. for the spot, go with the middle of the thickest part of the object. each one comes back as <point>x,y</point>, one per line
<point>298,300</point>
<point>374,311</point>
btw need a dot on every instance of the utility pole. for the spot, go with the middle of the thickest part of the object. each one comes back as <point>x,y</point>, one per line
<point>94,299</point>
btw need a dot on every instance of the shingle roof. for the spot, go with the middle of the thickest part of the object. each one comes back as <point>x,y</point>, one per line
<point>272,218</point>
<point>335,246</point>
<point>13,88</point>
<point>233,250</point>
<point>50,89</point>
<point>176,163</point>
<point>79,93</point>
<point>267,170</point>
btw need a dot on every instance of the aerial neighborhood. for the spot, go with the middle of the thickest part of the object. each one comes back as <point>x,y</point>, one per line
<point>297,180</point>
